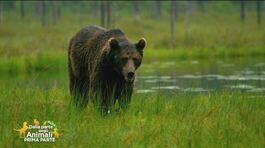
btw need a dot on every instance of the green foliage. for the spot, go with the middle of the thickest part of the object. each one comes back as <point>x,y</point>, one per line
<point>203,120</point>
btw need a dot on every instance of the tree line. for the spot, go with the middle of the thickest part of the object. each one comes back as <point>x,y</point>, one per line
<point>106,11</point>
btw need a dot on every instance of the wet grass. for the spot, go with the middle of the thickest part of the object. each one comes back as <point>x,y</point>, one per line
<point>226,119</point>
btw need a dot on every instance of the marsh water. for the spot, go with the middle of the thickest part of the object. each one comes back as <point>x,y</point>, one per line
<point>181,75</point>
<point>238,74</point>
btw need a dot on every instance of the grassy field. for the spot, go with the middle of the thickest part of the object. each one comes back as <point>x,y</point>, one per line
<point>227,119</point>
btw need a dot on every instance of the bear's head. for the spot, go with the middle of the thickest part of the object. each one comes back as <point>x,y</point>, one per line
<point>126,57</point>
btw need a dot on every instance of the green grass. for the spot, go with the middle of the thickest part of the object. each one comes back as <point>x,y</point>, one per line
<point>34,62</point>
<point>227,119</point>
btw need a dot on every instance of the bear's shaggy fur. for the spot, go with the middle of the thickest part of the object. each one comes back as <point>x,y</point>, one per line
<point>101,65</point>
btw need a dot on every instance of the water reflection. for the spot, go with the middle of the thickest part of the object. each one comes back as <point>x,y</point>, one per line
<point>166,87</point>
<point>203,76</point>
<point>240,86</point>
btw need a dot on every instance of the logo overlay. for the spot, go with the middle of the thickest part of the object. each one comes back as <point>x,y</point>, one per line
<point>47,132</point>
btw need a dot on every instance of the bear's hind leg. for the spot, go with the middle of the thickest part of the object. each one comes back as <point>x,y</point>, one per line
<point>79,92</point>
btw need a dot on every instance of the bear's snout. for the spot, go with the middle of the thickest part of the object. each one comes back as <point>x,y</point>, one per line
<point>130,75</point>
<point>129,71</point>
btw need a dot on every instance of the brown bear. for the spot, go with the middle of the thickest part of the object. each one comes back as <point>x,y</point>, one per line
<point>102,65</point>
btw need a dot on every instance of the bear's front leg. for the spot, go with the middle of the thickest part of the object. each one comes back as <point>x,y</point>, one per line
<point>105,105</point>
<point>107,100</point>
<point>125,98</point>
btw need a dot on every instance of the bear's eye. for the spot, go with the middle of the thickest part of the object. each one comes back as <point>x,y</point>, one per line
<point>136,61</point>
<point>124,60</point>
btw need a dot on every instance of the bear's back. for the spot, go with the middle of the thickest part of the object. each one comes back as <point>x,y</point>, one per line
<point>88,48</point>
<point>87,34</point>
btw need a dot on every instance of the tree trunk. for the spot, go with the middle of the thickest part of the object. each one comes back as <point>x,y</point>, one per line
<point>158,9</point>
<point>55,11</point>
<point>94,8</point>
<point>176,10</point>
<point>242,10</point>
<point>22,10</point>
<point>1,11</point>
<point>42,12</point>
<point>136,11</point>
<point>36,12</point>
<point>172,22</point>
<point>189,12</point>
<point>54,15</point>
<point>113,8</point>
<point>108,10</point>
<point>102,14</point>
<point>58,11</point>
<point>258,7</point>
<point>201,6</point>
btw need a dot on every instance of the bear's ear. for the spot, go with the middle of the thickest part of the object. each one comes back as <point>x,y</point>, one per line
<point>114,44</point>
<point>141,44</point>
